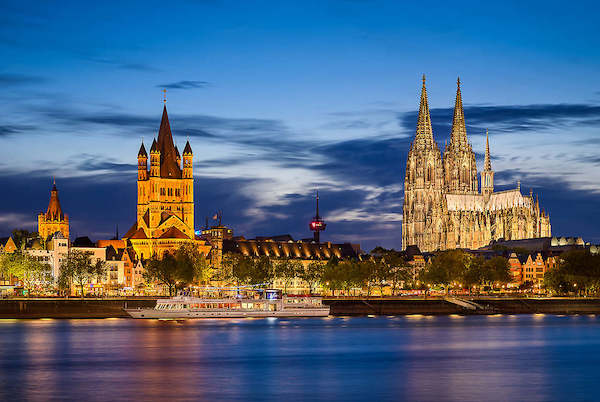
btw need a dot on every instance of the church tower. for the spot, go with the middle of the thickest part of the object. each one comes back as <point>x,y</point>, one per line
<point>165,204</point>
<point>54,220</point>
<point>423,186</point>
<point>460,168</point>
<point>487,174</point>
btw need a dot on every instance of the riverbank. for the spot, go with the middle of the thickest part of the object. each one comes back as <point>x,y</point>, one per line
<point>113,308</point>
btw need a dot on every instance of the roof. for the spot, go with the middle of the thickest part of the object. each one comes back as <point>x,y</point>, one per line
<point>142,151</point>
<point>188,148</point>
<point>154,147</point>
<point>173,233</point>
<point>131,231</point>
<point>83,241</point>
<point>139,234</point>
<point>286,249</point>
<point>284,237</point>
<point>54,211</point>
<point>169,168</point>
<point>477,202</point>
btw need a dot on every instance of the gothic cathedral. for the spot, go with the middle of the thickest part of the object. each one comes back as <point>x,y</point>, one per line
<point>443,205</point>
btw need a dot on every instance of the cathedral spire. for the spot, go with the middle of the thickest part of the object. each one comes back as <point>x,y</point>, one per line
<point>487,162</point>
<point>458,135</point>
<point>424,134</point>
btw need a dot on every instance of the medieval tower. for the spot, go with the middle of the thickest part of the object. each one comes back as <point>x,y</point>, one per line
<point>165,195</point>
<point>53,220</point>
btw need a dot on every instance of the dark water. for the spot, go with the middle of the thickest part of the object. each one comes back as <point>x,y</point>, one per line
<point>385,358</point>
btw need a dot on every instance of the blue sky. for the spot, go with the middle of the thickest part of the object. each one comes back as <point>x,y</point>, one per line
<point>281,98</point>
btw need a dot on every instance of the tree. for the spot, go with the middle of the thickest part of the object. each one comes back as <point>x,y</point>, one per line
<point>27,269</point>
<point>332,277</point>
<point>21,236</point>
<point>192,265</point>
<point>287,269</point>
<point>312,274</point>
<point>447,267</point>
<point>578,270</point>
<point>253,270</point>
<point>79,269</point>
<point>163,271</point>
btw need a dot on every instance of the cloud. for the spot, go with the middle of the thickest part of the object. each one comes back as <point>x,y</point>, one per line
<point>509,118</point>
<point>20,79</point>
<point>184,85</point>
<point>11,129</point>
<point>16,220</point>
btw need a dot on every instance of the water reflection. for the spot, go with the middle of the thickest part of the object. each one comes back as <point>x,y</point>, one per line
<point>541,357</point>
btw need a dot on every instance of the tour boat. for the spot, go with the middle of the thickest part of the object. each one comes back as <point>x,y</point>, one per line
<point>269,303</point>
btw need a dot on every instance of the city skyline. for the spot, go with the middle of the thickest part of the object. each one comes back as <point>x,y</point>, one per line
<point>274,113</point>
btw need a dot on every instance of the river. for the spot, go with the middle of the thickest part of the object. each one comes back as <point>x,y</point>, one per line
<point>423,358</point>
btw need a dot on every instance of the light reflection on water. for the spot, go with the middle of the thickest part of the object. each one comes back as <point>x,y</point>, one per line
<point>534,357</point>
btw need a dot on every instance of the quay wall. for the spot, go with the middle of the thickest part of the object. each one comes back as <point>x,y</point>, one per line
<point>113,308</point>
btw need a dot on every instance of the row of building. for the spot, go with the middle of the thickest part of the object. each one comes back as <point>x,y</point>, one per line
<point>468,219</point>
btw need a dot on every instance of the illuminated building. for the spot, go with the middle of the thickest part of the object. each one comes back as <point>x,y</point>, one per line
<point>443,205</point>
<point>53,220</point>
<point>165,197</point>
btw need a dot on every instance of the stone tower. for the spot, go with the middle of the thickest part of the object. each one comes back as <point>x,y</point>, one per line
<point>53,220</point>
<point>166,191</point>
<point>460,168</point>
<point>423,185</point>
<point>487,175</point>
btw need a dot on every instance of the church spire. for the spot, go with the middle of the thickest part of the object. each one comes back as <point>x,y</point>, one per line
<point>458,135</point>
<point>54,211</point>
<point>487,162</point>
<point>168,154</point>
<point>424,134</point>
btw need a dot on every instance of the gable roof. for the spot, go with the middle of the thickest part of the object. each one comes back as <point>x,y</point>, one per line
<point>173,233</point>
<point>139,234</point>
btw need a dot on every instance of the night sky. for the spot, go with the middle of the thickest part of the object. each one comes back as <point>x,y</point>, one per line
<point>282,98</point>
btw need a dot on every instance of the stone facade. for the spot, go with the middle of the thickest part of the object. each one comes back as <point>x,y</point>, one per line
<point>165,201</point>
<point>53,220</point>
<point>444,207</point>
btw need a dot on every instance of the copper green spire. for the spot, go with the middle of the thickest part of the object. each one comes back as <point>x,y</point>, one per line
<point>458,135</point>
<point>487,163</point>
<point>424,134</point>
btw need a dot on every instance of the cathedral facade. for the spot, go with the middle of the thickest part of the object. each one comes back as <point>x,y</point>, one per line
<point>444,205</point>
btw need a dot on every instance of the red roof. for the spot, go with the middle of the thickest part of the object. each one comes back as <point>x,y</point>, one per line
<point>173,233</point>
<point>139,234</point>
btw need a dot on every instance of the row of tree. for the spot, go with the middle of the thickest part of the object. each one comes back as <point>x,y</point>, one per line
<point>578,272</point>
<point>465,270</point>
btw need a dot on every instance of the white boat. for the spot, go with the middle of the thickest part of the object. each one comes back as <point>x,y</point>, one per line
<point>271,304</point>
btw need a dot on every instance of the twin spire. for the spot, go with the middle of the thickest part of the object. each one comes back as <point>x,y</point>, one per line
<point>458,134</point>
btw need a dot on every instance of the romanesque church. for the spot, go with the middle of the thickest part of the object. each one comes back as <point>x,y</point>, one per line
<point>444,206</point>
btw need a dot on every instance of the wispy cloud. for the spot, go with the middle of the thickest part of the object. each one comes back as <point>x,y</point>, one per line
<point>184,85</point>
<point>7,79</point>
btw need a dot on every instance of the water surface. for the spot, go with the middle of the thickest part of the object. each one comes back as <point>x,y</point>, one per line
<point>480,358</point>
